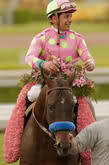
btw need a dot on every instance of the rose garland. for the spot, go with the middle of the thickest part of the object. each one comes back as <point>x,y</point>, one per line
<point>81,86</point>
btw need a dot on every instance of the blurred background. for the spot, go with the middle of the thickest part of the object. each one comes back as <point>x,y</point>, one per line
<point>20,20</point>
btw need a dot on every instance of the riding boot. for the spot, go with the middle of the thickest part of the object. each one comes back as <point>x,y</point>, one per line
<point>14,130</point>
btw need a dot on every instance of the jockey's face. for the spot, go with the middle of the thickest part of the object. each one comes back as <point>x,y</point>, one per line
<point>65,21</point>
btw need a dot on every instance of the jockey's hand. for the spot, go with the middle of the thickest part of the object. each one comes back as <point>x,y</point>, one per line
<point>89,65</point>
<point>50,66</point>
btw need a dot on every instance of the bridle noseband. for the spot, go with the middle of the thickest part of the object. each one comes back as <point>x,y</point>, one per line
<point>40,125</point>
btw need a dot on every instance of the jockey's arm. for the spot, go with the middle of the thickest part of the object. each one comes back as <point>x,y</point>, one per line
<point>88,61</point>
<point>84,54</point>
<point>33,57</point>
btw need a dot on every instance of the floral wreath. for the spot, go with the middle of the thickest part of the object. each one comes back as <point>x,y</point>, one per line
<point>81,85</point>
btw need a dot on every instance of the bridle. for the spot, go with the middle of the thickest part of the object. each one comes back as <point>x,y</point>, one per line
<point>33,113</point>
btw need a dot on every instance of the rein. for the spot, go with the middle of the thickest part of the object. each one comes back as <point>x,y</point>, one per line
<point>40,125</point>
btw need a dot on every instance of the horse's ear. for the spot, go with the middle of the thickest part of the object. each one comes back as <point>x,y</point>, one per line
<point>47,79</point>
<point>71,79</point>
<point>59,75</point>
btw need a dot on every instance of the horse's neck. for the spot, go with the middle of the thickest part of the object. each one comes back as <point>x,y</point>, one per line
<point>40,105</point>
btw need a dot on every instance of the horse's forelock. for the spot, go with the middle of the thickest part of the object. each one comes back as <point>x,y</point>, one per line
<point>60,83</point>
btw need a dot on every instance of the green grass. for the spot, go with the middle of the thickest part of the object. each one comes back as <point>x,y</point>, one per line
<point>1,149</point>
<point>12,58</point>
<point>29,29</point>
<point>100,54</point>
<point>90,27</point>
<point>102,91</point>
<point>33,28</point>
<point>9,94</point>
<point>2,162</point>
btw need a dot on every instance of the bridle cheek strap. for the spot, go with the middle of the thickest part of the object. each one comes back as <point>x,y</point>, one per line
<point>41,126</point>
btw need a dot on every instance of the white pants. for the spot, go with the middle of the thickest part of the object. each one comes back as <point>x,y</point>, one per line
<point>34,92</point>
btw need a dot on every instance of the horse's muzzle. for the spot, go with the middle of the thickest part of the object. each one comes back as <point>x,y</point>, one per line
<point>63,143</point>
<point>64,149</point>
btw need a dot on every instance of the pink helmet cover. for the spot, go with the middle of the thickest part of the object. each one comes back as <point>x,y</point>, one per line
<point>66,5</point>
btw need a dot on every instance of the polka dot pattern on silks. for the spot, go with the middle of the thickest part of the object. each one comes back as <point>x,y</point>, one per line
<point>84,118</point>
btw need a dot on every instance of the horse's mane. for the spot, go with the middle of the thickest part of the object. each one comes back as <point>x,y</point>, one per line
<point>61,93</point>
<point>40,103</point>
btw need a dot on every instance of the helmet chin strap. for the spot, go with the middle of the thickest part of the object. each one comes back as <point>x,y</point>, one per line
<point>58,38</point>
<point>58,35</point>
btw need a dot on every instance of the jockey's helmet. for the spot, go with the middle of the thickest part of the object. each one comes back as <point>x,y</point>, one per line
<point>60,6</point>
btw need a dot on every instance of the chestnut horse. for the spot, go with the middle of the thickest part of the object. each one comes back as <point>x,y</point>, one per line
<point>40,146</point>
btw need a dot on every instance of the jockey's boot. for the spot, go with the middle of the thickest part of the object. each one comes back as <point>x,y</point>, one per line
<point>13,133</point>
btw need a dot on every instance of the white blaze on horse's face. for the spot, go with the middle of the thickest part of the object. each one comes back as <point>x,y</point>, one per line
<point>62,101</point>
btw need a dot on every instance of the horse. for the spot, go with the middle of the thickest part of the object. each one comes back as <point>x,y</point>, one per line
<point>40,145</point>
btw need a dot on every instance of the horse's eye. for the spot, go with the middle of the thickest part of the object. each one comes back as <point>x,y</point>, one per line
<point>51,108</point>
<point>73,107</point>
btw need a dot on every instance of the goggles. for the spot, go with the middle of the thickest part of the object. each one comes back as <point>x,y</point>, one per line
<point>67,6</point>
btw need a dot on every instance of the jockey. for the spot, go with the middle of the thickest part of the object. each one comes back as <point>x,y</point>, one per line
<point>56,42</point>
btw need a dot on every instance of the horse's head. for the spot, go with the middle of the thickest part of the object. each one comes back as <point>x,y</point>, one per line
<point>59,108</point>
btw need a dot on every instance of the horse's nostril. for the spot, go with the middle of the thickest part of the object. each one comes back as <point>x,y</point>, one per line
<point>68,145</point>
<point>59,145</point>
<point>64,145</point>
